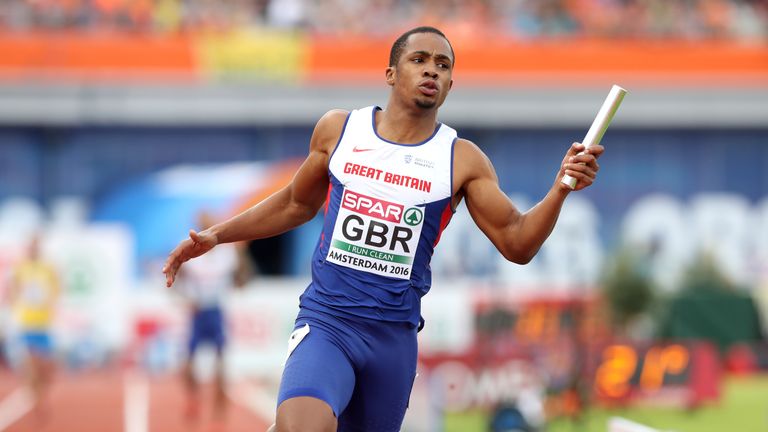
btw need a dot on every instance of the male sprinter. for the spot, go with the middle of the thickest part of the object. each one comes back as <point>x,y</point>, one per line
<point>391,180</point>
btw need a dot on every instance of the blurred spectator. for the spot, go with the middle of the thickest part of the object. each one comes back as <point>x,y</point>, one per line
<point>33,296</point>
<point>681,19</point>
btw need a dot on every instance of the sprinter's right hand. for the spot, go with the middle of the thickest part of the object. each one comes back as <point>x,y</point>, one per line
<point>196,245</point>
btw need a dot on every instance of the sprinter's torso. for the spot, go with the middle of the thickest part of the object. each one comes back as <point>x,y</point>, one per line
<point>387,205</point>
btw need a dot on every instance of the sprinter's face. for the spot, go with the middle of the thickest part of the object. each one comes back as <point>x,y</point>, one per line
<point>423,73</point>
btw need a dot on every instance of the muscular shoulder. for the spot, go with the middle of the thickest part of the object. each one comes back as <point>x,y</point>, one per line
<point>334,117</point>
<point>470,162</point>
<point>329,129</point>
<point>466,148</point>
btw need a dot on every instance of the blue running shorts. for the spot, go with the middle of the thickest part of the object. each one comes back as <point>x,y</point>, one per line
<point>363,369</point>
<point>207,327</point>
<point>38,342</point>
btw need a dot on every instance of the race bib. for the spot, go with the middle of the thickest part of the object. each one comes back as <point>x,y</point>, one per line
<point>376,236</point>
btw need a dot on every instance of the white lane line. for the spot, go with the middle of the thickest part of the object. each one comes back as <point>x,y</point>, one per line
<point>255,399</point>
<point>14,406</point>
<point>619,424</point>
<point>136,403</point>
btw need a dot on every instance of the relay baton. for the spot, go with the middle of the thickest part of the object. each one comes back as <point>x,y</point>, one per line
<point>600,124</point>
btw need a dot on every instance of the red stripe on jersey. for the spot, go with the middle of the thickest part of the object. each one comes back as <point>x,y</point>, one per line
<point>328,197</point>
<point>325,212</point>
<point>445,218</point>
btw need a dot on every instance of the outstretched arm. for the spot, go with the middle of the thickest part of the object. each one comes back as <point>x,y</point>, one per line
<point>288,208</point>
<point>518,236</point>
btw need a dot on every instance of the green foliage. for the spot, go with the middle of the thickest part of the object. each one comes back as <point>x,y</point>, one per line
<point>627,288</point>
<point>709,307</point>
<point>704,275</point>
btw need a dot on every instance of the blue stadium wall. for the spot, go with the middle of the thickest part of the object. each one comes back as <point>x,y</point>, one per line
<point>44,163</point>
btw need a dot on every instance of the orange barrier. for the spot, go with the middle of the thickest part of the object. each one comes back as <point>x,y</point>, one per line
<point>106,56</point>
<point>320,60</point>
<point>506,62</point>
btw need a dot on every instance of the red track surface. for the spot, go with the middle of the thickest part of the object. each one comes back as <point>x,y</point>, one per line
<point>94,402</point>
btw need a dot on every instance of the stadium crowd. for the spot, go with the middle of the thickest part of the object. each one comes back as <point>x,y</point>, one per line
<point>521,19</point>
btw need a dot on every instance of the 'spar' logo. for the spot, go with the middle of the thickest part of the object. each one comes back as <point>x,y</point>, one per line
<point>413,216</point>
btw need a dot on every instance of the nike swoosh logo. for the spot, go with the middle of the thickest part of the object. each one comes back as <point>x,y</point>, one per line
<point>358,150</point>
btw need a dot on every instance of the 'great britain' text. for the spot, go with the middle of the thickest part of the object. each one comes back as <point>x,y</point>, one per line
<point>388,177</point>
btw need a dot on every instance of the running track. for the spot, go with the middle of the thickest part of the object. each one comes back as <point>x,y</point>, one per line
<point>117,400</point>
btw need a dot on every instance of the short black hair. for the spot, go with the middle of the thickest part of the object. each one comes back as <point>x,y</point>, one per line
<point>399,46</point>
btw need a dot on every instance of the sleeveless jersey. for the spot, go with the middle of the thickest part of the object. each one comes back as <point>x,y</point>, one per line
<point>387,205</point>
<point>207,278</point>
<point>38,290</point>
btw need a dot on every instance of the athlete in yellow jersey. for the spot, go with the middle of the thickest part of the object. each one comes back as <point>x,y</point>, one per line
<point>33,295</point>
